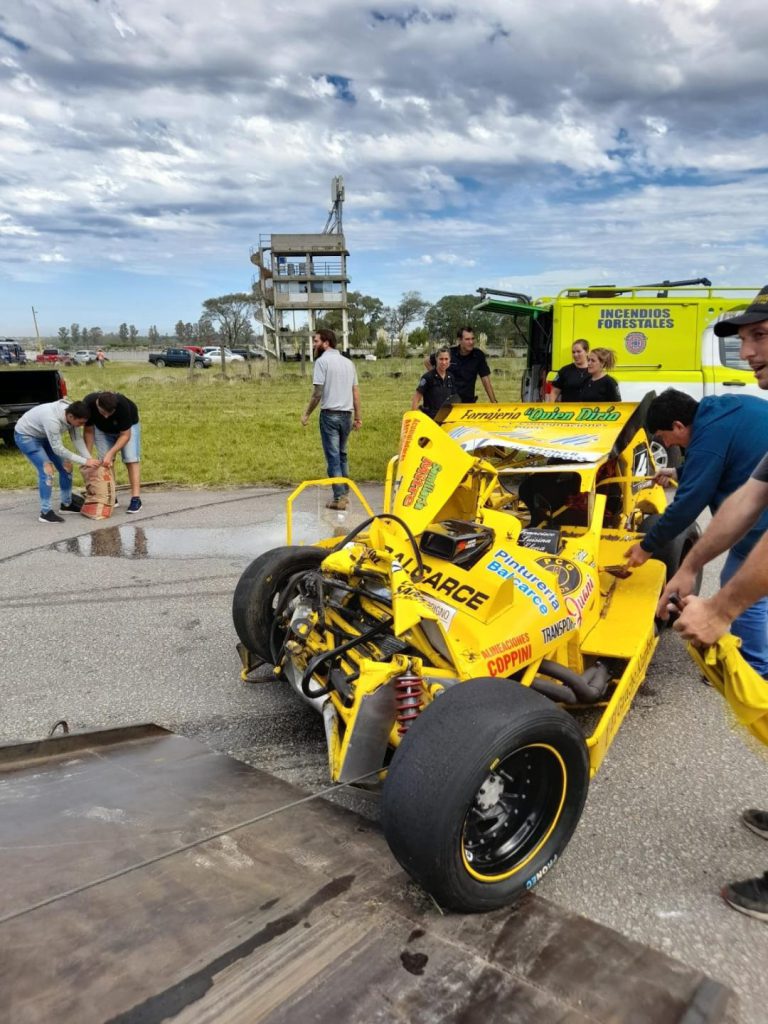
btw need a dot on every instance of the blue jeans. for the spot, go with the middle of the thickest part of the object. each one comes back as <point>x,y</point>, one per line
<point>752,625</point>
<point>335,428</point>
<point>39,452</point>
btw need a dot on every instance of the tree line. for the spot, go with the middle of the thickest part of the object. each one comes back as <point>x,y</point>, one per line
<point>413,324</point>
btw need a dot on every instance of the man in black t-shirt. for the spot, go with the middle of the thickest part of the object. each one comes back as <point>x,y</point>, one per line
<point>113,425</point>
<point>467,364</point>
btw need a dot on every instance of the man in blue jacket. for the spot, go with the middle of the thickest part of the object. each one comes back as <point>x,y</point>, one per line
<point>724,439</point>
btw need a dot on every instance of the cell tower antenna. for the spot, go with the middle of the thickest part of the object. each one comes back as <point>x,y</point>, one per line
<point>333,225</point>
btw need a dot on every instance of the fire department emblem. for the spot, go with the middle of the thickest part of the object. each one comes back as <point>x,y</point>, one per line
<point>635,342</point>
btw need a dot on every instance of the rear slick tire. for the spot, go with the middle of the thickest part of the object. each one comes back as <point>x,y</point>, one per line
<point>484,793</point>
<point>260,590</point>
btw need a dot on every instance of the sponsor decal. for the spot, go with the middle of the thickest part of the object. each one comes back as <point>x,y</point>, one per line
<point>423,483</point>
<point>582,555</point>
<point>575,605</point>
<point>408,590</point>
<point>631,685</point>
<point>507,645</point>
<point>406,436</point>
<point>440,582</point>
<point>462,593</point>
<point>540,414</point>
<point>548,415</point>
<point>540,874</point>
<point>443,611</point>
<point>488,416</point>
<point>569,576</point>
<point>635,342</point>
<point>631,318</point>
<point>527,582</point>
<point>502,658</point>
<point>600,414</point>
<point>539,539</point>
<point>641,466</point>
<point>557,629</point>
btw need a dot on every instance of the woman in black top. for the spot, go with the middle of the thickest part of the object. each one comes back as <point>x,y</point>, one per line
<point>600,386</point>
<point>570,378</point>
<point>437,386</point>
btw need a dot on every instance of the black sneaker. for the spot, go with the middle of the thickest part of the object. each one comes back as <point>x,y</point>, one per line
<point>72,507</point>
<point>756,821</point>
<point>748,897</point>
<point>50,517</point>
<point>135,505</point>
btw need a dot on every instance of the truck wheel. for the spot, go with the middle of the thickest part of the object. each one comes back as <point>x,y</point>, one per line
<point>160,363</point>
<point>199,364</point>
<point>259,592</point>
<point>484,792</point>
<point>666,458</point>
<point>7,436</point>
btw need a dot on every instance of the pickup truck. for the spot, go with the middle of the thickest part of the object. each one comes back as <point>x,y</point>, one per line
<point>21,390</point>
<point>54,355</point>
<point>179,357</point>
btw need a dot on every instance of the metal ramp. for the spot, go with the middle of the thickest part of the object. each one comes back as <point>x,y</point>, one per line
<point>130,894</point>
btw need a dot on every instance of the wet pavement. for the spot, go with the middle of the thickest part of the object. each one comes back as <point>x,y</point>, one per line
<point>188,542</point>
<point>130,620</point>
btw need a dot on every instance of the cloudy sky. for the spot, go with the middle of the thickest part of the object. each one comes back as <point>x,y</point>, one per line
<point>146,144</point>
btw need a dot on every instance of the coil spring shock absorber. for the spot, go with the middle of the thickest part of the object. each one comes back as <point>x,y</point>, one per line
<point>408,699</point>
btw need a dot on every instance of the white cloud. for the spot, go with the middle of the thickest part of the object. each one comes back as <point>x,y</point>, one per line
<point>477,138</point>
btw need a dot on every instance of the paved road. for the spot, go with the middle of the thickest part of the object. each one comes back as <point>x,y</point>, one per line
<point>130,621</point>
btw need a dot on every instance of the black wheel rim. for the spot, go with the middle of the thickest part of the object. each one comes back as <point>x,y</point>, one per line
<point>282,607</point>
<point>513,812</point>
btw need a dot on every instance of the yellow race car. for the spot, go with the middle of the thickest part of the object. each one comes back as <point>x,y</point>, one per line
<point>478,643</point>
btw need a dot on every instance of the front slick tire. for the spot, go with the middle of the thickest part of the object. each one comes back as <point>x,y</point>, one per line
<point>484,793</point>
<point>260,591</point>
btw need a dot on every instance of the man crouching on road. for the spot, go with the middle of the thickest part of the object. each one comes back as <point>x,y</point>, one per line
<point>335,390</point>
<point>38,436</point>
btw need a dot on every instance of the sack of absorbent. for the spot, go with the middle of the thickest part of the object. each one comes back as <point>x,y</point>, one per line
<point>99,493</point>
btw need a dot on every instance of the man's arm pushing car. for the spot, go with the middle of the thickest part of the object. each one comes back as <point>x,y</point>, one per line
<point>738,513</point>
<point>704,620</point>
<point>698,486</point>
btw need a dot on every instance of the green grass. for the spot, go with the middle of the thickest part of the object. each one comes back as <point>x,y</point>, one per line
<point>214,431</point>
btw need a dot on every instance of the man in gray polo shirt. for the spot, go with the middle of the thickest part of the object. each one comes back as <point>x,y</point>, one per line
<point>335,390</point>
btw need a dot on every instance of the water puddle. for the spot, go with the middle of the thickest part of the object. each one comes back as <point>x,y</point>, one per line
<point>136,542</point>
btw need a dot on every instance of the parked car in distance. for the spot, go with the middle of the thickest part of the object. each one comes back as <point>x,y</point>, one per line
<point>197,349</point>
<point>55,355</point>
<point>179,357</point>
<point>250,352</point>
<point>214,351</point>
<point>12,352</point>
<point>84,357</point>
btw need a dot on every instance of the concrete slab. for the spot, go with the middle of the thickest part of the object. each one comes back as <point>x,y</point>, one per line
<point>148,878</point>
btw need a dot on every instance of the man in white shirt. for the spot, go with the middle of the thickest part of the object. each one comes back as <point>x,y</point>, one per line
<point>335,390</point>
<point>38,436</point>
